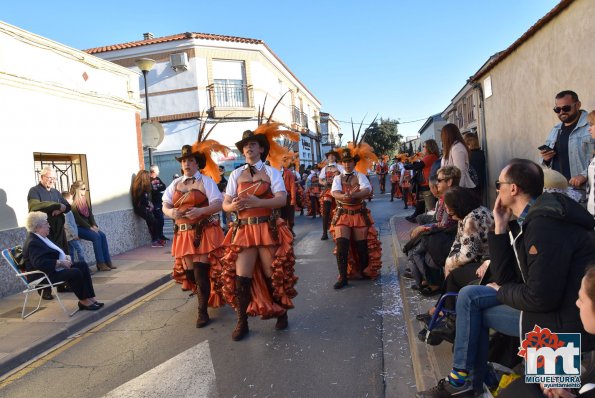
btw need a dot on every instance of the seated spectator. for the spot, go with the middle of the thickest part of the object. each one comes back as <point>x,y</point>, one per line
<point>430,244</point>
<point>143,206</point>
<point>537,276</point>
<point>555,182</point>
<point>72,232</point>
<point>477,162</point>
<point>41,254</point>
<point>586,305</point>
<point>88,229</point>
<point>430,216</point>
<point>470,246</point>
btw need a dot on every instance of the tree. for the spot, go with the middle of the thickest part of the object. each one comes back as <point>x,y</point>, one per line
<point>384,136</point>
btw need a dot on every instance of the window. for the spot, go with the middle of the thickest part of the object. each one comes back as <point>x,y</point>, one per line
<point>68,167</point>
<point>230,84</point>
<point>470,109</point>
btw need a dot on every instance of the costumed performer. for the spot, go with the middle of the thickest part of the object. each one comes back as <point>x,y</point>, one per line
<point>327,175</point>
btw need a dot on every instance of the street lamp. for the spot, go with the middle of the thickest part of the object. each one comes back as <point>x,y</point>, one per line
<point>340,136</point>
<point>316,119</point>
<point>145,65</point>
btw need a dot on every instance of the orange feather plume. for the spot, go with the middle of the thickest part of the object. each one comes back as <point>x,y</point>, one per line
<point>366,154</point>
<point>207,148</point>
<point>272,131</point>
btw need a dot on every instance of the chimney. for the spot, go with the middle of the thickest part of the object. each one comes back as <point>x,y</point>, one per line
<point>148,36</point>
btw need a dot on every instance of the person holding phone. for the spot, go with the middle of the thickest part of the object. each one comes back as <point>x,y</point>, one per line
<point>569,146</point>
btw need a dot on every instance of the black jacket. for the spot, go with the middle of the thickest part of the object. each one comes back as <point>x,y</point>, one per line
<point>553,246</point>
<point>37,255</point>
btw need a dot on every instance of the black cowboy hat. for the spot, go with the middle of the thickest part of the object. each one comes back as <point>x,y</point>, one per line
<point>187,153</point>
<point>332,152</point>
<point>249,136</point>
<point>348,157</point>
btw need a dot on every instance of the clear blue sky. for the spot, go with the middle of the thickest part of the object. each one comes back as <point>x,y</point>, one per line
<point>402,59</point>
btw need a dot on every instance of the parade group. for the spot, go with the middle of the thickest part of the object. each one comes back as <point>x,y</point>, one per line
<point>248,262</point>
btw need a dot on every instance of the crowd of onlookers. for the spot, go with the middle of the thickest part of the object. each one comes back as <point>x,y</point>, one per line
<point>513,267</point>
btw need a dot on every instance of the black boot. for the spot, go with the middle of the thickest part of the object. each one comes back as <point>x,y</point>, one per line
<point>203,291</point>
<point>326,213</point>
<point>282,320</point>
<point>363,256</point>
<point>190,275</point>
<point>342,256</point>
<point>243,298</point>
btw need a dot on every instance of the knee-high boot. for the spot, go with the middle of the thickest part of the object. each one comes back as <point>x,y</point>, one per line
<point>282,320</point>
<point>190,275</point>
<point>342,256</point>
<point>326,214</point>
<point>203,291</point>
<point>363,256</point>
<point>242,301</point>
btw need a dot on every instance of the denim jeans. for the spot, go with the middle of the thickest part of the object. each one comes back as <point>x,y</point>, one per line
<point>99,241</point>
<point>478,310</point>
<point>76,251</point>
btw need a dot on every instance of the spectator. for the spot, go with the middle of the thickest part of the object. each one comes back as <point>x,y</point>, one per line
<point>429,216</point>
<point>554,182</point>
<point>591,201</point>
<point>570,144</point>
<point>430,244</point>
<point>143,205</point>
<point>536,277</point>
<point>425,199</point>
<point>477,163</point>
<point>158,186</point>
<point>72,232</point>
<point>44,197</point>
<point>40,253</point>
<point>456,153</point>
<point>88,229</point>
<point>586,305</point>
<point>470,246</point>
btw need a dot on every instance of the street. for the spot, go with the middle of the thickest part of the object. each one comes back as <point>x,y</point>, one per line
<point>333,347</point>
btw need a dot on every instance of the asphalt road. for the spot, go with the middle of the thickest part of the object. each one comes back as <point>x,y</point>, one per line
<point>333,347</point>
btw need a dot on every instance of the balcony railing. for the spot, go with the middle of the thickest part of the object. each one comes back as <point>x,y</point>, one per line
<point>295,115</point>
<point>229,95</point>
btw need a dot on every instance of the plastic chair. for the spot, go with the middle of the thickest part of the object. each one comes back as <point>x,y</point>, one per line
<point>41,282</point>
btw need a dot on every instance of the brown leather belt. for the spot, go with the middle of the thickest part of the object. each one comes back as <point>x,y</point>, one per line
<point>254,220</point>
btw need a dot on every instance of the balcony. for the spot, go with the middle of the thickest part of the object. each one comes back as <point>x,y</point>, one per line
<point>298,118</point>
<point>229,97</point>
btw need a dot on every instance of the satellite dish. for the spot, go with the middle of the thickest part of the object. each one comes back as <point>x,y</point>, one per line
<point>152,134</point>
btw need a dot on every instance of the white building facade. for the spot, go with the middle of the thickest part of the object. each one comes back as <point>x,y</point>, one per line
<point>224,77</point>
<point>78,114</point>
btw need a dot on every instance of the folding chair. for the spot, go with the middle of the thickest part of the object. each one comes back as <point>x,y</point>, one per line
<point>41,282</point>
<point>440,314</point>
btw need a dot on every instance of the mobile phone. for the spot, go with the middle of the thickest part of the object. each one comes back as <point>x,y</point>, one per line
<point>545,148</point>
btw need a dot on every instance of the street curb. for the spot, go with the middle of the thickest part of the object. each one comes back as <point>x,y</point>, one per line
<point>423,361</point>
<point>10,363</point>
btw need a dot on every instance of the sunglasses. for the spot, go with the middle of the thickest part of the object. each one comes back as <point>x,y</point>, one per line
<point>499,183</point>
<point>442,179</point>
<point>565,108</point>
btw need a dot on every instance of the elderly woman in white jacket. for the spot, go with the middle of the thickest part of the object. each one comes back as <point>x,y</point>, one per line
<point>456,153</point>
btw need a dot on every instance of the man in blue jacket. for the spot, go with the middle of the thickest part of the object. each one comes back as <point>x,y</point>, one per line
<point>537,260</point>
<point>569,143</point>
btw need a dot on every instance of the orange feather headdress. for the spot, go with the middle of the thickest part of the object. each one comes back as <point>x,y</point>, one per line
<point>359,151</point>
<point>266,135</point>
<point>205,148</point>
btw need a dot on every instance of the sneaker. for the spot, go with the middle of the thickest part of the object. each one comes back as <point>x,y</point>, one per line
<point>157,243</point>
<point>444,390</point>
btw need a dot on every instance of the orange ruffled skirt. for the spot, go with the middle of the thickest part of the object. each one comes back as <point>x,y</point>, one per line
<point>264,303</point>
<point>211,245</point>
<point>372,271</point>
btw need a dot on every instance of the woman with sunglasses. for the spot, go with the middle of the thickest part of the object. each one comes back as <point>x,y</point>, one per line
<point>88,229</point>
<point>591,169</point>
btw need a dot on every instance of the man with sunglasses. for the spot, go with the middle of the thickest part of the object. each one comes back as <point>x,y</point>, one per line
<point>570,144</point>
